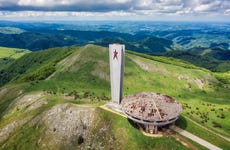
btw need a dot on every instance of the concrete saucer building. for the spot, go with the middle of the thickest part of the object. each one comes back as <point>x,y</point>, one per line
<point>151,110</point>
<point>148,110</point>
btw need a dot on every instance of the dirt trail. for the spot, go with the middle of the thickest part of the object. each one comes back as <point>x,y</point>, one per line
<point>148,67</point>
<point>68,61</point>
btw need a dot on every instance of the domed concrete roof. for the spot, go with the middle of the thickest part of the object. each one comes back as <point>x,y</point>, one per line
<point>151,107</point>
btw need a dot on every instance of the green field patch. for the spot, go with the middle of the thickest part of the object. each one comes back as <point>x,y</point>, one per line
<point>12,52</point>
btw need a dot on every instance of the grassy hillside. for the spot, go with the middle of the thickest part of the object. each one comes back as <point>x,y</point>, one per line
<point>204,98</point>
<point>80,75</point>
<point>8,55</point>
<point>85,72</point>
<point>33,66</point>
<point>203,60</point>
<point>224,77</point>
<point>108,131</point>
<point>12,52</point>
<point>216,52</point>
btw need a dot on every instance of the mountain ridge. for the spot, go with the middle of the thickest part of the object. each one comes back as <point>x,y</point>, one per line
<point>80,78</point>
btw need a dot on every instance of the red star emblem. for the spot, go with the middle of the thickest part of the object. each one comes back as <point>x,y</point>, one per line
<point>115,54</point>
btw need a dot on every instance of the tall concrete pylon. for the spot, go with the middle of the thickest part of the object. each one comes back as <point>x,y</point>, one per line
<point>116,57</point>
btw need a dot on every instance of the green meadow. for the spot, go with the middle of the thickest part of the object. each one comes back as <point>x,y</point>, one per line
<point>83,73</point>
<point>12,52</point>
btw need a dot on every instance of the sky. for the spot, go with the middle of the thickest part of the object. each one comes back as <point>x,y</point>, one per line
<point>150,10</point>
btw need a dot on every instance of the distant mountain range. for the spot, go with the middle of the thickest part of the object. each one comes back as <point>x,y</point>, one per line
<point>205,45</point>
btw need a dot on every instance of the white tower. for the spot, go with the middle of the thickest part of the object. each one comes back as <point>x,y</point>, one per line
<point>116,57</point>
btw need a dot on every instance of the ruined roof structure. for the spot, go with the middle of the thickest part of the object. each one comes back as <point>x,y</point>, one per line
<point>151,108</point>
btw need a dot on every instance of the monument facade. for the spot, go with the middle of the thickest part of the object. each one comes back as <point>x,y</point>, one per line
<point>146,109</point>
<point>116,56</point>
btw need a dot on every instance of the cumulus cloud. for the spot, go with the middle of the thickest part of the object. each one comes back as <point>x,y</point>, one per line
<point>108,5</point>
<point>208,6</point>
<point>113,7</point>
<point>64,15</point>
<point>65,5</point>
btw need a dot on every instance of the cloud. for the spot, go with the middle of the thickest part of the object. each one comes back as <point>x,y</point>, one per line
<point>65,5</point>
<point>208,6</point>
<point>167,6</point>
<point>62,15</point>
<point>114,7</point>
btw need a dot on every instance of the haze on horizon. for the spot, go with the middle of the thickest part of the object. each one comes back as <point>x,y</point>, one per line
<point>150,10</point>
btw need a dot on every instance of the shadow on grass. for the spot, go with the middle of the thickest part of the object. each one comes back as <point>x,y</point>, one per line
<point>181,122</point>
<point>133,124</point>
